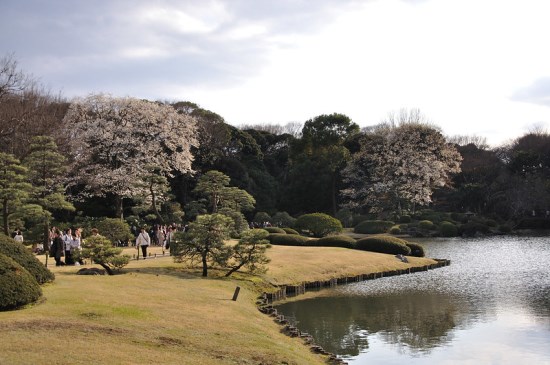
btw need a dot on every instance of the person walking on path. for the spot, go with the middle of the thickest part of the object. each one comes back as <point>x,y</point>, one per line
<point>144,241</point>
<point>58,248</point>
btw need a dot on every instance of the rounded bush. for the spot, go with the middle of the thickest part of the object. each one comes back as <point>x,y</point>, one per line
<point>360,218</point>
<point>405,219</point>
<point>373,227</point>
<point>395,230</point>
<point>318,224</point>
<point>274,230</point>
<point>471,228</point>
<point>417,249</point>
<point>283,219</point>
<point>504,228</point>
<point>383,244</point>
<point>17,286</point>
<point>447,229</point>
<point>25,258</point>
<point>426,225</point>
<point>290,231</point>
<point>115,229</point>
<point>334,241</point>
<point>283,239</point>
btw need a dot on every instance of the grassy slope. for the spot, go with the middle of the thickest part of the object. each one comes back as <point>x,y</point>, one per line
<point>158,313</point>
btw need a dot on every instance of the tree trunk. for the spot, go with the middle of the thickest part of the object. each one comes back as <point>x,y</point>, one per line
<point>204,265</point>
<point>334,194</point>
<point>118,207</point>
<point>154,203</point>
<point>107,268</point>
<point>46,241</point>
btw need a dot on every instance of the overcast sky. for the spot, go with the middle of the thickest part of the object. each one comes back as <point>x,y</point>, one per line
<point>471,66</point>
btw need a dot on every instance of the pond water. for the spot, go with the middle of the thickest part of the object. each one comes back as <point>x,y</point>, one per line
<point>491,306</point>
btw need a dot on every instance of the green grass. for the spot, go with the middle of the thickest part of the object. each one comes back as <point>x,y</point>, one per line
<point>158,312</point>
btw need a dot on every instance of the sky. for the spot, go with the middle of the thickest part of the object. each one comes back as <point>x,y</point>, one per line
<point>472,67</point>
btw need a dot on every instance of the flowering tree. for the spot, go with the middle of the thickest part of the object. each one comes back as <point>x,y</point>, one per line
<point>400,165</point>
<point>114,141</point>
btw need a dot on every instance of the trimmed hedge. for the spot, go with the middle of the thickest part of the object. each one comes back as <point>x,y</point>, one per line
<point>405,219</point>
<point>25,258</point>
<point>274,230</point>
<point>17,286</point>
<point>334,241</point>
<point>447,229</point>
<point>290,230</point>
<point>319,224</point>
<point>426,225</point>
<point>283,239</point>
<point>372,227</point>
<point>383,244</point>
<point>417,249</point>
<point>395,230</point>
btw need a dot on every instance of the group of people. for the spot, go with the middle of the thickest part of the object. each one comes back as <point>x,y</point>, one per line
<point>159,235</point>
<point>66,244</point>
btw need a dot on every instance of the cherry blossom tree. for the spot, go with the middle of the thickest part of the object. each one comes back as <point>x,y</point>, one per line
<point>114,141</point>
<point>399,166</point>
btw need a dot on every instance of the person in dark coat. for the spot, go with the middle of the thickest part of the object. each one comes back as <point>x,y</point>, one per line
<point>58,247</point>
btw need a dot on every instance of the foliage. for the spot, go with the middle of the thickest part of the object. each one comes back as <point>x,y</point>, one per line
<point>283,219</point>
<point>417,249</point>
<point>115,230</point>
<point>448,229</point>
<point>100,250</point>
<point>383,244</point>
<point>405,219</point>
<point>373,226</point>
<point>249,252</point>
<point>14,188</point>
<point>275,230</point>
<point>395,230</point>
<point>426,225</point>
<point>533,223</point>
<point>288,239</point>
<point>345,216</point>
<point>215,186</point>
<point>261,217</point>
<point>399,166</point>
<point>318,224</point>
<point>472,228</point>
<point>504,228</point>
<point>240,224</point>
<point>290,230</point>
<point>17,286</point>
<point>118,138</point>
<point>204,241</point>
<point>25,258</point>
<point>334,241</point>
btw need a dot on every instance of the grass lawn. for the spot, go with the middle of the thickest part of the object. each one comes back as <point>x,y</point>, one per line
<point>157,312</point>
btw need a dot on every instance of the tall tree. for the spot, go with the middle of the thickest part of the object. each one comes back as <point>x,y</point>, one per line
<point>403,167</point>
<point>119,137</point>
<point>14,188</point>
<point>46,169</point>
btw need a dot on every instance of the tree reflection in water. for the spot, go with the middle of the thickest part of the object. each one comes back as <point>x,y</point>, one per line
<point>416,322</point>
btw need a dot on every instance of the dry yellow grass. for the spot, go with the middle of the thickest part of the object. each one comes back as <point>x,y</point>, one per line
<point>159,313</point>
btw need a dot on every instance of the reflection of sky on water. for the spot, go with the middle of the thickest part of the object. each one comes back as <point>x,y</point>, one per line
<point>491,306</point>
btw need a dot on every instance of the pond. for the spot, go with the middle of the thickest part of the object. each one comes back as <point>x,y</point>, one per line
<point>491,306</point>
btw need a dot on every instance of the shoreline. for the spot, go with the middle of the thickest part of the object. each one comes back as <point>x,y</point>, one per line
<point>266,300</point>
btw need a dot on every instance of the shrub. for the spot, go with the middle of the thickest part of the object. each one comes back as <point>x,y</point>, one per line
<point>447,229</point>
<point>372,227</point>
<point>287,239</point>
<point>383,244</point>
<point>319,224</point>
<point>290,231</point>
<point>504,228</point>
<point>261,217</point>
<point>471,228</point>
<point>115,230</point>
<point>534,223</point>
<point>283,219</point>
<point>17,286</point>
<point>430,215</point>
<point>25,258</point>
<point>101,251</point>
<point>345,216</point>
<point>491,223</point>
<point>459,217</point>
<point>334,241</point>
<point>395,230</point>
<point>405,219</point>
<point>361,218</point>
<point>275,230</point>
<point>426,225</point>
<point>417,250</point>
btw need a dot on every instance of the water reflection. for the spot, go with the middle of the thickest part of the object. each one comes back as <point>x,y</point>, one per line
<point>494,297</point>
